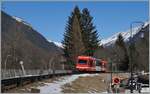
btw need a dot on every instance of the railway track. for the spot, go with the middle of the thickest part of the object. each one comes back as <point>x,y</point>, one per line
<point>10,83</point>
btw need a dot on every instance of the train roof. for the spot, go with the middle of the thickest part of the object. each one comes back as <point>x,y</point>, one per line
<point>88,57</point>
<point>85,57</point>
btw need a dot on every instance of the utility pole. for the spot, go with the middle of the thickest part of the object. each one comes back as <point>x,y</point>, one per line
<point>23,70</point>
<point>5,64</point>
<point>51,63</point>
<point>6,61</point>
<point>111,72</point>
<point>110,77</point>
<point>131,55</point>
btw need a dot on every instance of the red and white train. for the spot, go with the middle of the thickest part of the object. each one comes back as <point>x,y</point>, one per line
<point>90,64</point>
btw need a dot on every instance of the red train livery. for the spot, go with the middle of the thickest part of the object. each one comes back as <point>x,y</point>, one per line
<point>90,64</point>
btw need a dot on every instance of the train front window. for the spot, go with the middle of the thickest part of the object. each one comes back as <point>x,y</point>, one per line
<point>82,61</point>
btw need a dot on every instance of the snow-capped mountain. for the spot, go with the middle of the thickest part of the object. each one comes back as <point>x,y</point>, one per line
<point>126,35</point>
<point>33,47</point>
<point>56,43</point>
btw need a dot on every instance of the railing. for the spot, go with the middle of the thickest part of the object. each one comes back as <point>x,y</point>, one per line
<point>14,73</point>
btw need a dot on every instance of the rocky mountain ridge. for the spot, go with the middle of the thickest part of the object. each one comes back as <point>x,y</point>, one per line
<point>20,42</point>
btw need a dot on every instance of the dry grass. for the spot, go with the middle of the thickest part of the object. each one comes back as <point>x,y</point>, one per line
<point>98,83</point>
<point>90,84</point>
<point>86,85</point>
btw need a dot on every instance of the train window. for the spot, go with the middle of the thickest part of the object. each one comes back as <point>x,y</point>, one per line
<point>97,63</point>
<point>82,61</point>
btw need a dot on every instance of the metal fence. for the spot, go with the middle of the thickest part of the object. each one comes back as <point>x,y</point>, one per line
<point>15,73</point>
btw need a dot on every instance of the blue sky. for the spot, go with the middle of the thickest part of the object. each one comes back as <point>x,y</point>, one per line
<point>50,18</point>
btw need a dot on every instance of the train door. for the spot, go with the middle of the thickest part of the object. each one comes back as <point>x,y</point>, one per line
<point>91,64</point>
<point>97,65</point>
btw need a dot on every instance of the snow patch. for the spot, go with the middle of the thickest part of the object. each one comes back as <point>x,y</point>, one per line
<point>145,90</point>
<point>55,87</point>
<point>146,23</point>
<point>21,20</point>
<point>56,43</point>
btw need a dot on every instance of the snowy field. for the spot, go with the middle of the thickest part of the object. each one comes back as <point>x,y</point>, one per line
<point>55,87</point>
<point>143,91</point>
<point>146,90</point>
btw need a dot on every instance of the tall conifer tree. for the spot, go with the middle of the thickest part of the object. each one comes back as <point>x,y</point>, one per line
<point>89,33</point>
<point>73,45</point>
<point>121,44</point>
<point>80,37</point>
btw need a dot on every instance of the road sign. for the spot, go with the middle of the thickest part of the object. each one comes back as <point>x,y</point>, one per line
<point>116,80</point>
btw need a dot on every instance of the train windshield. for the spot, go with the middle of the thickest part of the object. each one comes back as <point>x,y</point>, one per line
<point>82,61</point>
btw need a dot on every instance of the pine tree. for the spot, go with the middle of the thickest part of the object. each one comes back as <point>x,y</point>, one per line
<point>125,61</point>
<point>73,44</point>
<point>134,54</point>
<point>89,33</point>
<point>80,37</point>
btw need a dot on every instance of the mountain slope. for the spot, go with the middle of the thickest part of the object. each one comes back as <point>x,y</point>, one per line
<point>21,42</point>
<point>111,52</point>
<point>126,35</point>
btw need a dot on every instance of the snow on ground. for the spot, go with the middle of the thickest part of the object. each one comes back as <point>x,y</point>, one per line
<point>55,87</point>
<point>145,89</point>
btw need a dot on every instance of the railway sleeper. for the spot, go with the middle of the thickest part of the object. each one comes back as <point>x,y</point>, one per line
<point>26,82</point>
<point>5,88</point>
